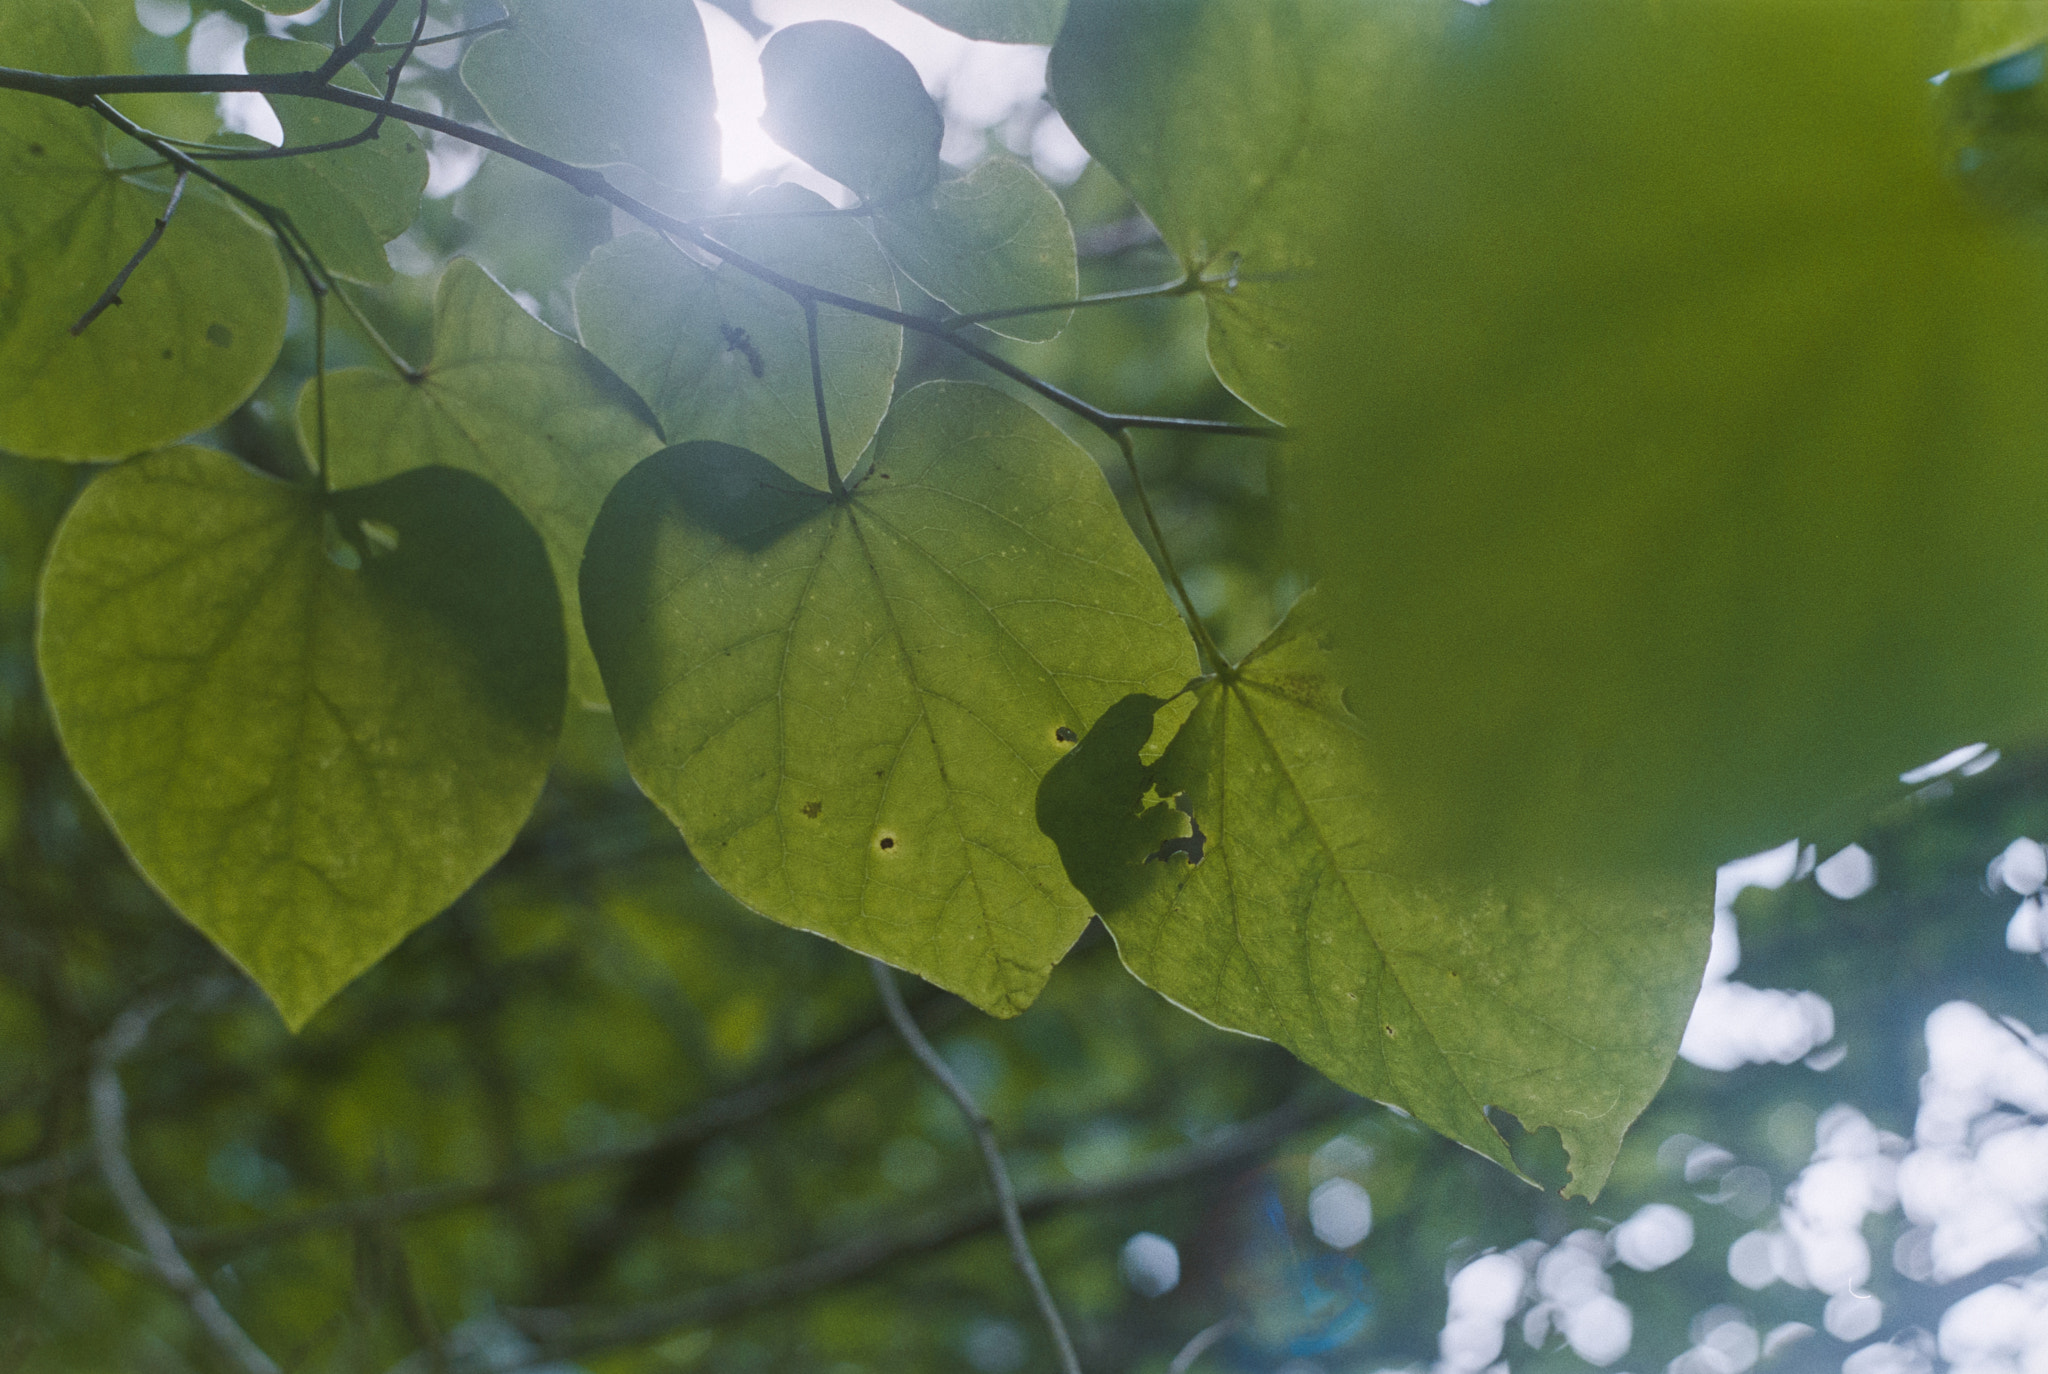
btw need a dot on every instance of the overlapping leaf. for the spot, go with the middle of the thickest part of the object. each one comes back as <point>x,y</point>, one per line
<point>997,21</point>
<point>853,107</point>
<point>1225,119</point>
<point>720,355</point>
<point>348,202</point>
<point>312,721</point>
<point>199,322</point>
<point>1244,876</point>
<point>504,397</point>
<point>1684,501</point>
<point>847,707</point>
<point>993,239</point>
<point>595,82</point>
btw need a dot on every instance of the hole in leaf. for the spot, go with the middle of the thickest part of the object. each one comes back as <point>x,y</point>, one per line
<point>887,842</point>
<point>340,550</point>
<point>1065,734</point>
<point>381,537</point>
<point>1189,846</point>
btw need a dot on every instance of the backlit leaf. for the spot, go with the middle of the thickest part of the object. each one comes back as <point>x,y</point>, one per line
<point>312,721</point>
<point>853,107</point>
<point>199,322</point>
<point>1680,501</point>
<point>994,238</point>
<point>1223,118</point>
<point>719,355</point>
<point>348,202</point>
<point>504,397</point>
<point>1244,877</point>
<point>846,708</point>
<point>998,21</point>
<point>595,82</point>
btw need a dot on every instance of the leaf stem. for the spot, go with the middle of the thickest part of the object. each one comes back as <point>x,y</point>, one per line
<point>112,295</point>
<point>832,481</point>
<point>1216,662</point>
<point>991,1156</point>
<point>1186,285</point>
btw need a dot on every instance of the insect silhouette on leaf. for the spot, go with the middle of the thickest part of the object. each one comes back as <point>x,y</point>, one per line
<point>736,341</point>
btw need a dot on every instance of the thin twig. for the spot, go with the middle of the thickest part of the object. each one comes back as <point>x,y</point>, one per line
<point>112,295</point>
<point>369,131</point>
<point>991,1158</point>
<point>838,488</point>
<point>110,1139</point>
<point>1184,286</point>
<point>38,1174</point>
<point>590,182</point>
<point>1198,1345</point>
<point>356,46</point>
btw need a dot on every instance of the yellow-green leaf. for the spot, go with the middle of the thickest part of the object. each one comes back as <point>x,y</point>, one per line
<point>1245,876</point>
<point>504,397</point>
<point>312,721</point>
<point>847,706</point>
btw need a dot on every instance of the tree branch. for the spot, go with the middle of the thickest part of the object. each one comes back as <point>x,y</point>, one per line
<point>110,1138</point>
<point>112,295</point>
<point>590,182</point>
<point>991,1158</point>
<point>564,1335</point>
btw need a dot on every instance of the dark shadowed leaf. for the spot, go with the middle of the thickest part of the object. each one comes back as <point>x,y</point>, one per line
<point>846,708</point>
<point>312,721</point>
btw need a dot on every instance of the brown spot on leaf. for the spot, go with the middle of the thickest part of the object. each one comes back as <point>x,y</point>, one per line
<point>1065,734</point>
<point>887,842</point>
<point>812,808</point>
<point>219,335</point>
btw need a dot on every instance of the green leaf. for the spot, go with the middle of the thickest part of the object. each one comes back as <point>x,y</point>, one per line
<point>1987,30</point>
<point>348,202</point>
<point>719,355</point>
<point>312,721</point>
<point>1684,477</point>
<point>997,21</point>
<point>994,238</point>
<point>199,322</point>
<point>596,82</point>
<point>504,397</point>
<point>1224,119</point>
<point>1244,878</point>
<point>846,708</point>
<point>853,107</point>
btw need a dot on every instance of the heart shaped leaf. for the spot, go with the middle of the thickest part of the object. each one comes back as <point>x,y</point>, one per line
<point>994,239</point>
<point>846,707</point>
<point>312,721</point>
<point>719,355</point>
<point>1243,876</point>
